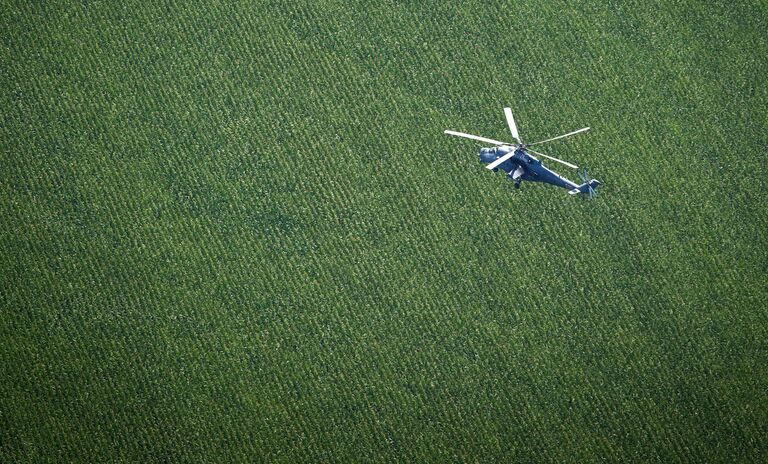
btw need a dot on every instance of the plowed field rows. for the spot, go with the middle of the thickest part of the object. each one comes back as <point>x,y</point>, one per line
<point>236,232</point>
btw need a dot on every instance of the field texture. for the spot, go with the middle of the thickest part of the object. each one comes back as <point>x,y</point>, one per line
<point>236,232</point>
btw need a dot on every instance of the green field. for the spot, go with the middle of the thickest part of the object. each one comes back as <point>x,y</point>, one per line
<point>236,232</point>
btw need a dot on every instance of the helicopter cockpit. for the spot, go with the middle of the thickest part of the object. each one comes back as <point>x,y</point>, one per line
<point>487,155</point>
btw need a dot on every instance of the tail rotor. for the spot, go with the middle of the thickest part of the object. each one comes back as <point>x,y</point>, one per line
<point>588,183</point>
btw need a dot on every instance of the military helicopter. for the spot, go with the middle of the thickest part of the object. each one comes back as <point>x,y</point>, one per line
<point>516,160</point>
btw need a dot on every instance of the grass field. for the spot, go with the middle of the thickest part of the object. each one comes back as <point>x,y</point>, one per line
<point>236,232</point>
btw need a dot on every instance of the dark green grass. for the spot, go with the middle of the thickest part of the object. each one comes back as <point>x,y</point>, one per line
<point>237,233</point>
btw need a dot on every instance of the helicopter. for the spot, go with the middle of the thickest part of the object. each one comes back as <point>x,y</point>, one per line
<point>517,161</point>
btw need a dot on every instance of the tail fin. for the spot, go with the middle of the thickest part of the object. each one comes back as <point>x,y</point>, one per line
<point>584,188</point>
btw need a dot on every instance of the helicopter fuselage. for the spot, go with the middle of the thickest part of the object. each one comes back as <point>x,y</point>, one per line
<point>532,168</point>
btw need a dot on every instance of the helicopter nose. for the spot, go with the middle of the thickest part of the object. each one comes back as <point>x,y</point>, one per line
<point>486,155</point>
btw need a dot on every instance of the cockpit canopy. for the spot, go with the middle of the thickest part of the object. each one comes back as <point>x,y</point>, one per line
<point>487,155</point>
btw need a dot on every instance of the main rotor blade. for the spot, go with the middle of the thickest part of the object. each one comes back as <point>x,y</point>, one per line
<point>561,136</point>
<point>553,159</point>
<point>512,126</point>
<point>494,164</point>
<point>476,137</point>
